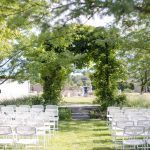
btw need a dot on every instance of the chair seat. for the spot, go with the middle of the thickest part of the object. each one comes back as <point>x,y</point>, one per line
<point>134,142</point>
<point>27,141</point>
<point>6,141</point>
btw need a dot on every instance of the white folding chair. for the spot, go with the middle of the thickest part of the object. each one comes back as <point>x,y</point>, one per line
<point>25,107</point>
<point>26,136</point>
<point>40,130</point>
<point>51,107</point>
<point>38,106</point>
<point>49,123</point>
<point>52,111</point>
<point>36,111</point>
<point>13,106</point>
<point>134,137</point>
<point>117,132</point>
<point>7,110</point>
<point>6,137</point>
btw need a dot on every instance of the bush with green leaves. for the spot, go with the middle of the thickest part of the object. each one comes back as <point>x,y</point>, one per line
<point>64,114</point>
<point>32,100</point>
<point>95,114</point>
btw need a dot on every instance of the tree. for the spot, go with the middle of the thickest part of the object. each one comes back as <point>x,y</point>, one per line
<point>46,56</point>
<point>136,51</point>
<point>100,46</point>
<point>17,19</point>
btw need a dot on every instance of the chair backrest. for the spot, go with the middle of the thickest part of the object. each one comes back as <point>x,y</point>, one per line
<point>38,106</point>
<point>1,107</point>
<point>14,106</point>
<point>5,130</point>
<point>137,118</point>
<point>134,130</point>
<point>36,110</point>
<point>23,108</point>
<point>122,124</point>
<point>51,107</point>
<point>52,112</point>
<point>7,110</point>
<point>25,130</point>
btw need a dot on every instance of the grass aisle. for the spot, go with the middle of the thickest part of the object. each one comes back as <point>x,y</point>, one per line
<point>82,135</point>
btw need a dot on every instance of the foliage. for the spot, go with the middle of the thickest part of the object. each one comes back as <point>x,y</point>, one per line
<point>120,100</point>
<point>108,69</point>
<point>126,86</point>
<point>76,81</point>
<point>17,20</point>
<point>136,47</point>
<point>58,65</point>
<point>125,10</point>
<point>64,114</point>
<point>45,59</point>
<point>95,114</point>
<point>32,100</point>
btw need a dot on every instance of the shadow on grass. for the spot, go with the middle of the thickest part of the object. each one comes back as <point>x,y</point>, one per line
<point>103,141</point>
<point>98,130</point>
<point>102,134</point>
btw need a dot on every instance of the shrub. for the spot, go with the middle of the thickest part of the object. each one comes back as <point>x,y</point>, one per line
<point>64,114</point>
<point>120,100</point>
<point>95,114</point>
<point>32,100</point>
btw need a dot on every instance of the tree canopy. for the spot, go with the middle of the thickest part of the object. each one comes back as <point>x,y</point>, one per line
<point>40,43</point>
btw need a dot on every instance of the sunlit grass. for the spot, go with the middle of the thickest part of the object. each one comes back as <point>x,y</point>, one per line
<point>78,100</point>
<point>138,100</point>
<point>138,96</point>
<point>82,135</point>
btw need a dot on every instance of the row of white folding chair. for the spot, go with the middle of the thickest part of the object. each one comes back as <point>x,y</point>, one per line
<point>127,109</point>
<point>50,121</point>
<point>135,119</point>
<point>24,107</point>
<point>117,130</point>
<point>135,137</point>
<point>23,135</point>
<point>14,107</point>
<point>131,116</point>
<point>42,126</point>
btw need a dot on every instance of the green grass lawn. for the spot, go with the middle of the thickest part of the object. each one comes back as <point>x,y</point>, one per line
<point>78,100</point>
<point>82,135</point>
<point>133,99</point>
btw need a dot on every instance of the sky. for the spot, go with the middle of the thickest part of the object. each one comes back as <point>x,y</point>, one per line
<point>97,21</point>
